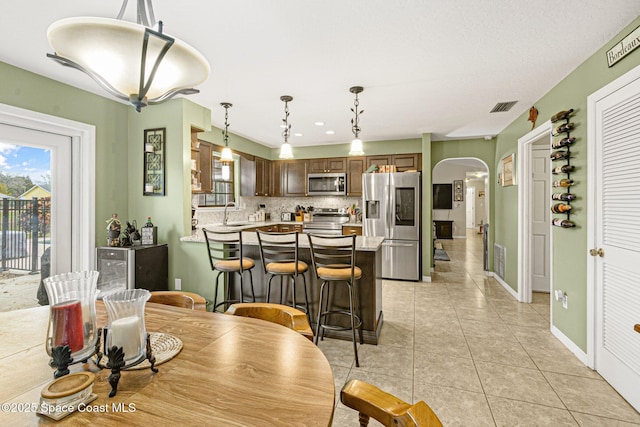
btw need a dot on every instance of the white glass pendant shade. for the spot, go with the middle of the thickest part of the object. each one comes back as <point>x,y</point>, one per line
<point>111,49</point>
<point>226,156</point>
<point>356,148</point>
<point>285,151</point>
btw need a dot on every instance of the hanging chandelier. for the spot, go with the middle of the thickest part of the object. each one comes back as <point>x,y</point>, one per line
<point>226,151</point>
<point>285,148</point>
<point>356,143</point>
<point>131,61</point>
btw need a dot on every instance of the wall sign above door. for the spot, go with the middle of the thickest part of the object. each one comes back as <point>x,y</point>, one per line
<point>625,47</point>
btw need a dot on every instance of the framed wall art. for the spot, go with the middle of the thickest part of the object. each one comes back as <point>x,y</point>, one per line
<point>458,191</point>
<point>508,171</point>
<point>153,168</point>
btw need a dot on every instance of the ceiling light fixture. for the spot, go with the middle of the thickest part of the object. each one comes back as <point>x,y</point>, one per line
<point>226,151</point>
<point>131,61</point>
<point>356,144</point>
<point>285,148</point>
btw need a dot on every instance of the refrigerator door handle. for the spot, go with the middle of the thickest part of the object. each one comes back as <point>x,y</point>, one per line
<point>390,210</point>
<point>402,245</point>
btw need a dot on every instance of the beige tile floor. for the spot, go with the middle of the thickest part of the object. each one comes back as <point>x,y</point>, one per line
<point>475,355</point>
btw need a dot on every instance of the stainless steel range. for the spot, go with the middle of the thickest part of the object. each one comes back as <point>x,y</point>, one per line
<point>326,221</point>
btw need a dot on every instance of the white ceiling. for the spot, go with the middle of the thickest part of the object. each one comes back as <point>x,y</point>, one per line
<point>427,66</point>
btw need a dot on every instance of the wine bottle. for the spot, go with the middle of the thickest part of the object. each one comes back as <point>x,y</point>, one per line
<point>562,115</point>
<point>560,208</point>
<point>563,169</point>
<point>564,142</point>
<point>565,197</point>
<point>559,155</point>
<point>565,127</point>
<point>563,183</point>
<point>564,223</point>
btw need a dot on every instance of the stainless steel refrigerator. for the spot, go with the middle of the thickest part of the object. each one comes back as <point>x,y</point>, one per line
<point>392,209</point>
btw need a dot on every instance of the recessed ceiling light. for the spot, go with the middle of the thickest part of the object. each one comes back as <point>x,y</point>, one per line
<point>319,123</point>
<point>297,134</point>
<point>329,132</point>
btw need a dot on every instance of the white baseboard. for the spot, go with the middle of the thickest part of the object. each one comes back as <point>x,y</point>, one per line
<point>426,278</point>
<point>504,284</point>
<point>577,351</point>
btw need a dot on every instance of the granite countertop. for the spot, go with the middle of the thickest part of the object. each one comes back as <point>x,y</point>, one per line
<point>363,243</point>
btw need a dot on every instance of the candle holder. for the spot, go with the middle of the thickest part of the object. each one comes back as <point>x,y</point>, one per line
<point>126,342</point>
<point>72,334</point>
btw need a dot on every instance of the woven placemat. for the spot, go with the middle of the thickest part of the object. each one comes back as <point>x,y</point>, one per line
<point>164,347</point>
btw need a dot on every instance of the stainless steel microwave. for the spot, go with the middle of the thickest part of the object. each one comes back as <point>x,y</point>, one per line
<point>327,184</point>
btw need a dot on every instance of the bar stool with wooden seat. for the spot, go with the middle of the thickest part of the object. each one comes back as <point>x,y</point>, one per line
<point>279,256</point>
<point>284,315</point>
<point>333,260</point>
<point>225,256</point>
<point>371,402</point>
<point>182,299</point>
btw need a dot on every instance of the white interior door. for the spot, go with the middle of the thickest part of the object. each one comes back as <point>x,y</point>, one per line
<point>540,217</point>
<point>61,207</point>
<point>616,233</point>
<point>471,207</point>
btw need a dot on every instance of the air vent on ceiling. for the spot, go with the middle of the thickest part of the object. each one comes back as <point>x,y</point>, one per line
<point>502,107</point>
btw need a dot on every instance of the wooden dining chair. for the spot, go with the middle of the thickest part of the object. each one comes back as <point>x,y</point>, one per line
<point>182,299</point>
<point>371,402</point>
<point>284,315</point>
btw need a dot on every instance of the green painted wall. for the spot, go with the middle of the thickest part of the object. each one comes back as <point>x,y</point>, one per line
<point>569,245</point>
<point>427,231</point>
<point>30,91</point>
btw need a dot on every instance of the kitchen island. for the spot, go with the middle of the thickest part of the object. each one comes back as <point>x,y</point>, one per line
<point>368,258</point>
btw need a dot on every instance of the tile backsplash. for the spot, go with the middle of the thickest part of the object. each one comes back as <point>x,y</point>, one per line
<point>274,206</point>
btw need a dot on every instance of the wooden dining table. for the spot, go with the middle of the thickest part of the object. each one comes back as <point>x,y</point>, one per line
<point>231,371</point>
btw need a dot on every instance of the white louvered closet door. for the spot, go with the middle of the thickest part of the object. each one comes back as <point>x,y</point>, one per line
<point>617,233</point>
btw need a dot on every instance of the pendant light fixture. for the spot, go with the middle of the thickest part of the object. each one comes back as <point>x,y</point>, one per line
<point>131,61</point>
<point>285,148</point>
<point>226,151</point>
<point>356,143</point>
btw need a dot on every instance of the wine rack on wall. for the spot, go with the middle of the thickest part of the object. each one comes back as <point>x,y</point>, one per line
<point>562,168</point>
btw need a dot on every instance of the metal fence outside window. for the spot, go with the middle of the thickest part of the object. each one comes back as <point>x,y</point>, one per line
<point>25,232</point>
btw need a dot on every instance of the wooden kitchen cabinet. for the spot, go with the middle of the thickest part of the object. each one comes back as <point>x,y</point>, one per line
<point>263,176</point>
<point>351,229</point>
<point>355,169</point>
<point>286,228</point>
<point>293,175</point>
<point>332,165</point>
<point>403,162</point>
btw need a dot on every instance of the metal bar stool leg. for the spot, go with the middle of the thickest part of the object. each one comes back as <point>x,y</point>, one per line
<point>271,276</point>
<point>353,323</point>
<point>320,300</point>
<point>253,293</point>
<point>293,291</point>
<point>306,298</point>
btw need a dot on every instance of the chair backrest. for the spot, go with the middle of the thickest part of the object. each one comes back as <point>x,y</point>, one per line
<point>182,299</point>
<point>390,411</point>
<point>333,252</point>
<point>284,315</point>
<point>223,245</point>
<point>278,247</point>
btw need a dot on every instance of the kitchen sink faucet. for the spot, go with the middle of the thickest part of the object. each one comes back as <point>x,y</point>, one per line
<point>226,214</point>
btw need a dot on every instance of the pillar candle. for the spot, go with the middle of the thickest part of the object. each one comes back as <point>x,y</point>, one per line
<point>126,333</point>
<point>68,325</point>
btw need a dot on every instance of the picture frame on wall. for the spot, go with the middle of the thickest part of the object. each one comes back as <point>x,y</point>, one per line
<point>508,175</point>
<point>154,162</point>
<point>458,187</point>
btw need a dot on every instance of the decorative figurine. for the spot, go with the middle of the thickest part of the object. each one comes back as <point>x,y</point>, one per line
<point>113,230</point>
<point>533,116</point>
